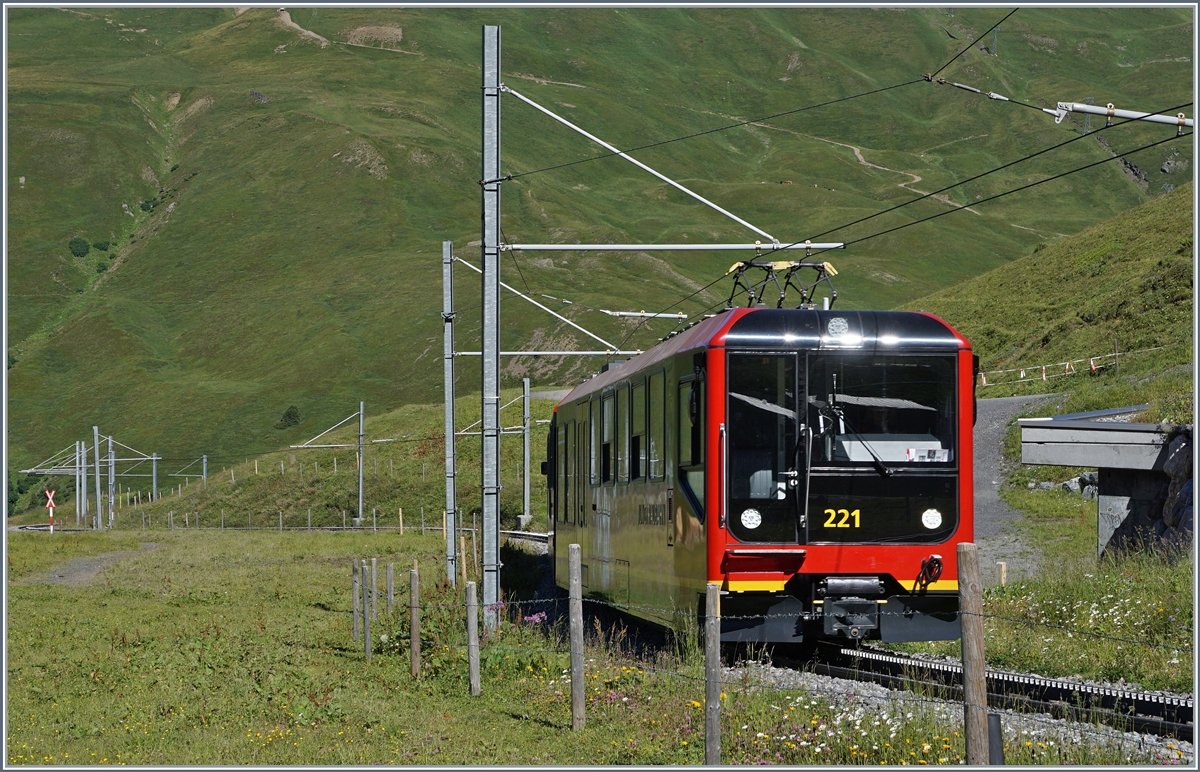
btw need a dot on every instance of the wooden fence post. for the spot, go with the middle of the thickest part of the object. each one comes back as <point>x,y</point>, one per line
<point>400,511</point>
<point>374,590</point>
<point>473,639</point>
<point>970,600</point>
<point>354,580</point>
<point>575,610</point>
<point>462,554</point>
<point>391,587</point>
<point>414,615</point>
<point>368,602</point>
<point>712,675</point>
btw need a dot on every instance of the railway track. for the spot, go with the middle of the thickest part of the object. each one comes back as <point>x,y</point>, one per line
<point>1164,715</point>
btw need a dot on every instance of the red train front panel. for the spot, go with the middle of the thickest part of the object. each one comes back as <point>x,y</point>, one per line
<point>844,444</point>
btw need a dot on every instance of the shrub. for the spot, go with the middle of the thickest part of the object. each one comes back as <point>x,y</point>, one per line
<point>101,245</point>
<point>79,246</point>
<point>101,266</point>
<point>148,204</point>
<point>291,417</point>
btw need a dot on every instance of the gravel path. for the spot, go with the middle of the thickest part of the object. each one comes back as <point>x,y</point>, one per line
<point>82,571</point>
<point>996,532</point>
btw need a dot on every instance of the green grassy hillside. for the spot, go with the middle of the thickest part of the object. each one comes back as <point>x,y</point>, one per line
<point>286,252</point>
<point>1126,283</point>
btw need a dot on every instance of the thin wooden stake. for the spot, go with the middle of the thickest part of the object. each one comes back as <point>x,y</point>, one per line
<point>462,554</point>
<point>575,609</point>
<point>354,582</point>
<point>473,640</point>
<point>391,587</point>
<point>970,599</point>
<point>400,514</point>
<point>414,625</point>
<point>712,675</point>
<point>368,603</point>
<point>1002,572</point>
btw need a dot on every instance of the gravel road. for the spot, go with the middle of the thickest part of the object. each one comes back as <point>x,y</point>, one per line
<point>996,531</point>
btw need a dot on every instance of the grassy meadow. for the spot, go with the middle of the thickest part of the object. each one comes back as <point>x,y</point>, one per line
<point>262,254</point>
<point>235,648</point>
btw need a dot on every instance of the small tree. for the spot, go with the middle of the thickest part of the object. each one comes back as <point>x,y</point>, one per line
<point>291,417</point>
<point>101,245</point>
<point>79,246</point>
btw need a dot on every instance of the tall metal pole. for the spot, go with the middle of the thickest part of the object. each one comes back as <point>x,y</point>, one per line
<point>525,425</point>
<point>79,499</point>
<point>78,508</point>
<point>154,477</point>
<point>96,453</point>
<point>448,391</point>
<point>491,326</point>
<point>361,415</point>
<point>112,480</point>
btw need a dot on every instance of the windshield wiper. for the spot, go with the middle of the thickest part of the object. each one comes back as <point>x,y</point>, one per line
<point>832,410</point>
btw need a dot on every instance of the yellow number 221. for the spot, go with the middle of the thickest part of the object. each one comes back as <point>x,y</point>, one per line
<point>844,522</point>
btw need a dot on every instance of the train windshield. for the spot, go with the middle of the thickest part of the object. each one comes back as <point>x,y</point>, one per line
<point>882,411</point>
<point>870,440</point>
<point>763,447</point>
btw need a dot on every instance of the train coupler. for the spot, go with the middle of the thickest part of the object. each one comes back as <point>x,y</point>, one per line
<point>851,617</point>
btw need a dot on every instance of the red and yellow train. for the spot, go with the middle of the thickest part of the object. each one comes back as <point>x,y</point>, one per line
<point>816,464</point>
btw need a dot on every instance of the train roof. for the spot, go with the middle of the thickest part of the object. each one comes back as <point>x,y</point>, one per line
<point>865,332</point>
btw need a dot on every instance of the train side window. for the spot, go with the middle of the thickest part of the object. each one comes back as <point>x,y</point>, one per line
<point>594,436</point>
<point>564,473</point>
<point>684,422</point>
<point>657,421</point>
<point>637,432</point>
<point>691,422</point>
<point>606,438</point>
<point>691,434</point>
<point>623,433</point>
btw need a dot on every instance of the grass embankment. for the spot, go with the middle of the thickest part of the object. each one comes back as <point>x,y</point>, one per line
<point>1126,282</point>
<point>220,648</point>
<point>408,473</point>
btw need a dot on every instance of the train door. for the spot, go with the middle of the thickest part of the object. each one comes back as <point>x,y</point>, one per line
<point>765,464</point>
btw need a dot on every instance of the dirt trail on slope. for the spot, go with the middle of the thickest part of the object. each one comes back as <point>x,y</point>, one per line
<point>285,19</point>
<point>906,185</point>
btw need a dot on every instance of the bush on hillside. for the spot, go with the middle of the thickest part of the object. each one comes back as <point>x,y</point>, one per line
<point>101,266</point>
<point>101,245</point>
<point>79,246</point>
<point>291,417</point>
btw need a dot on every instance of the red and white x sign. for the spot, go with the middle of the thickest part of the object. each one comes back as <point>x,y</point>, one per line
<point>50,498</point>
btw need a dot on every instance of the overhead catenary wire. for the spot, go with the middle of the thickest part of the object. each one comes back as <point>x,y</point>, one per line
<point>971,179</point>
<point>942,214</point>
<point>1018,190</point>
<point>739,124</point>
<point>773,116</point>
<point>973,42</point>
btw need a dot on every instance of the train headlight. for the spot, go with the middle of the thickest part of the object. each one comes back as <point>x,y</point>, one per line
<point>931,519</point>
<point>751,518</point>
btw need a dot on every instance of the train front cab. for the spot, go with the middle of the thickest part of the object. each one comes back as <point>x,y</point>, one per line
<point>844,441</point>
